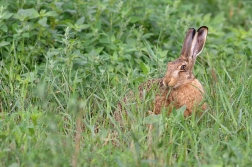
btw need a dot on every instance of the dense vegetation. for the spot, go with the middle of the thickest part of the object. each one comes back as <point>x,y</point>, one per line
<point>65,65</point>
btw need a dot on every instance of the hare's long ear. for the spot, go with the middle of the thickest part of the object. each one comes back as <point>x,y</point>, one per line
<point>197,46</point>
<point>186,48</point>
<point>199,41</point>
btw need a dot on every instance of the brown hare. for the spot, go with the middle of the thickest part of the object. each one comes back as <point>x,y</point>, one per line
<point>179,87</point>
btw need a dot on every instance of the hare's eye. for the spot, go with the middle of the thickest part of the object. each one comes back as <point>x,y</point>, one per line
<point>183,67</point>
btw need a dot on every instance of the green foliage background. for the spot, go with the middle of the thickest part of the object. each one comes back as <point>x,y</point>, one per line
<point>66,64</point>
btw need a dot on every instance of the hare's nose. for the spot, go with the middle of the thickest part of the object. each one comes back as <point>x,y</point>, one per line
<point>169,82</point>
<point>172,82</point>
<point>166,81</point>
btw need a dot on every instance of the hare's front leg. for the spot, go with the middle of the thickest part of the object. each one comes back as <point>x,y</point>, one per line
<point>161,102</point>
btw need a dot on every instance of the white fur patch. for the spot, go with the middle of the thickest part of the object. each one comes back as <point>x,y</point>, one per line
<point>175,74</point>
<point>177,85</point>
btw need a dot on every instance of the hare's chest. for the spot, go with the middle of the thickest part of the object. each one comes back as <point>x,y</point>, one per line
<point>189,95</point>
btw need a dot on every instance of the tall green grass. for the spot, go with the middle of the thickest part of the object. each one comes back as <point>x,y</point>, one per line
<point>66,65</point>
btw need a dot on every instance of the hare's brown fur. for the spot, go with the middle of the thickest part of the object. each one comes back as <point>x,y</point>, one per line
<point>190,95</point>
<point>179,87</point>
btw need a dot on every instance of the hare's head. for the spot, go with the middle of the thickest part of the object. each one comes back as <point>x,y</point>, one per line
<point>179,72</point>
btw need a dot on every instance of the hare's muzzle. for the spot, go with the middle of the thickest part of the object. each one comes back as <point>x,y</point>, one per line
<point>169,81</point>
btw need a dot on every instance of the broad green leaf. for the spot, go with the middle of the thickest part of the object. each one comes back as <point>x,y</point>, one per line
<point>4,43</point>
<point>104,40</point>
<point>43,22</point>
<point>181,110</point>
<point>6,15</point>
<point>3,27</point>
<point>80,21</point>
<point>135,19</point>
<point>144,68</point>
<point>26,35</point>
<point>42,12</point>
<point>51,14</point>
<point>152,119</point>
<point>27,14</point>
<point>80,27</point>
<point>98,50</point>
